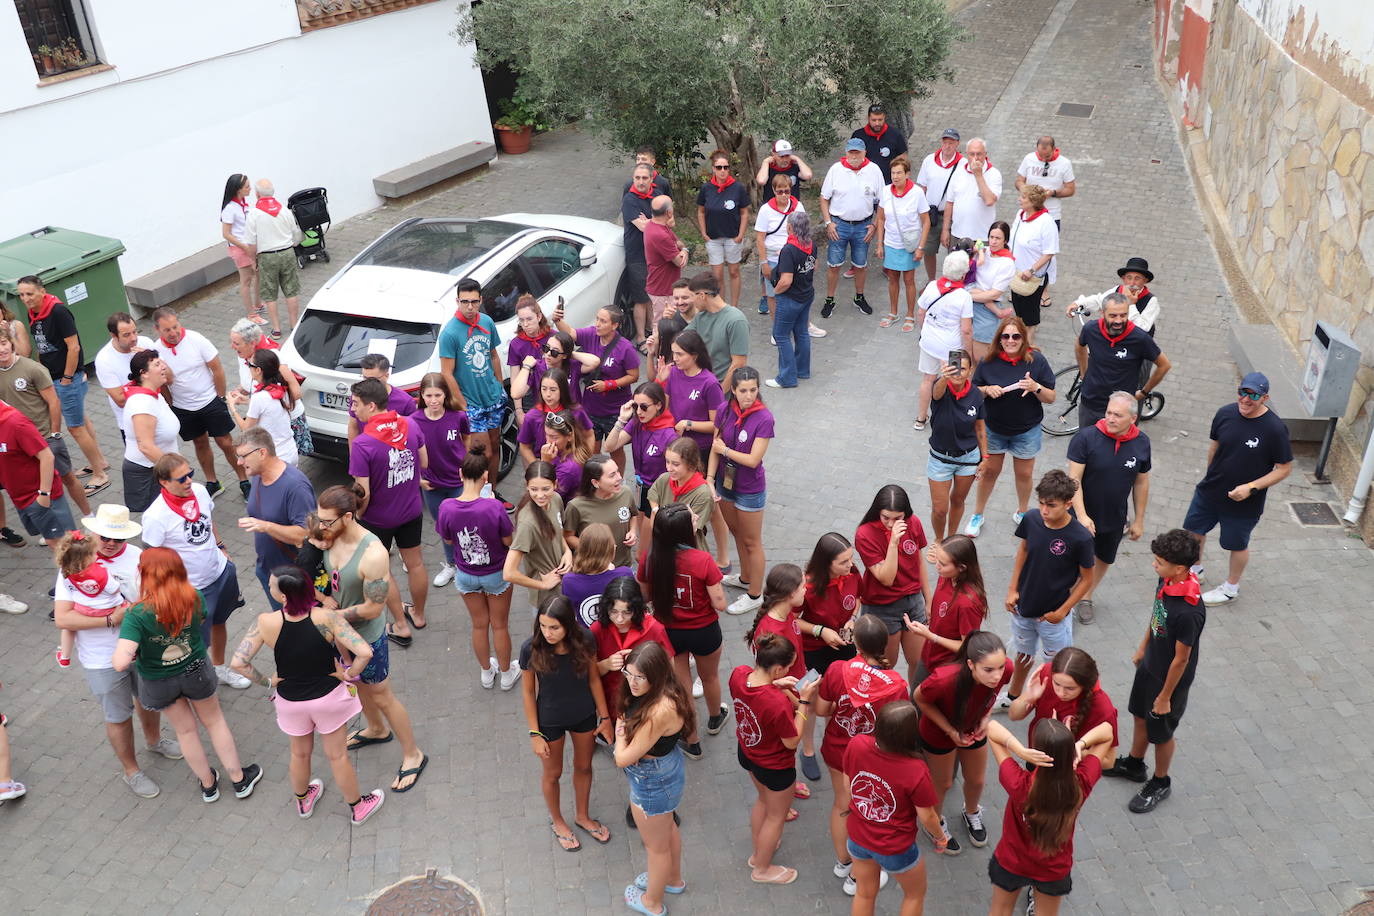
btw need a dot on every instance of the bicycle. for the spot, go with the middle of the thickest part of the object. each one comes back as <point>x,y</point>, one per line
<point>1062,417</point>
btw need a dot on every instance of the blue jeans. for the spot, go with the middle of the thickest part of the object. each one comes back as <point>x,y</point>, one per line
<point>432,500</point>
<point>791,323</point>
<point>264,577</point>
<point>72,399</point>
<point>851,238</point>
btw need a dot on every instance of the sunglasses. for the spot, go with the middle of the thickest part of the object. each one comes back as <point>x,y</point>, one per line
<point>550,351</point>
<point>1250,395</point>
<point>721,168</point>
<point>1011,336</point>
<point>110,540</point>
<point>642,407</point>
<point>186,478</point>
<point>556,420</point>
<point>1045,170</point>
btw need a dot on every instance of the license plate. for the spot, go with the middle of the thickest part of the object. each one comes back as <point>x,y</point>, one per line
<point>334,400</point>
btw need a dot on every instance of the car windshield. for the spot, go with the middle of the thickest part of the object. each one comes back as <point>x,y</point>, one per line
<point>335,341</point>
<point>439,246</point>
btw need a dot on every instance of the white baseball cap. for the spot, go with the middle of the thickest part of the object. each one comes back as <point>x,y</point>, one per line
<point>782,148</point>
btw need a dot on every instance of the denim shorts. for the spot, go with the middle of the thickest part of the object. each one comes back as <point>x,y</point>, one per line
<point>50,522</point>
<point>985,323</point>
<point>1202,517</point>
<point>768,280</point>
<point>656,783</point>
<point>898,259</point>
<point>744,502</point>
<point>893,864</point>
<point>913,606</point>
<point>723,251</point>
<point>1026,632</point>
<point>490,584</point>
<point>197,681</point>
<point>379,669</point>
<point>72,397</point>
<point>851,239</point>
<point>485,419</point>
<point>1021,445</point>
<point>947,467</point>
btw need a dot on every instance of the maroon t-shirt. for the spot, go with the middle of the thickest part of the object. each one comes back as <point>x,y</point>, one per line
<point>696,572</point>
<point>789,630</point>
<point>763,718</point>
<point>832,608</point>
<point>953,617</point>
<point>660,247</point>
<point>850,717</point>
<point>1050,706</point>
<point>884,792</point>
<point>870,543</point>
<point>939,690</point>
<point>1015,851</point>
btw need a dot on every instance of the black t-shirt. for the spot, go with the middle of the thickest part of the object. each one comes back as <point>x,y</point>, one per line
<point>1114,366</point>
<point>50,341</point>
<point>564,697</point>
<point>1246,451</point>
<point>802,267</point>
<point>952,421</point>
<point>660,185</point>
<point>793,172</point>
<point>1055,558</point>
<point>1109,472</point>
<point>882,149</point>
<point>632,206</point>
<point>723,208</point>
<point>1173,620</point>
<point>1013,413</point>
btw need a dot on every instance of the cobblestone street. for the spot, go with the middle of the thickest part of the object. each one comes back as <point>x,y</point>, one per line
<point>1270,813</point>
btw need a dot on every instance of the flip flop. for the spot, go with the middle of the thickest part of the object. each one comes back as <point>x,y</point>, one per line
<point>411,620</point>
<point>414,771</point>
<point>358,739</point>
<point>634,899</point>
<point>563,841</point>
<point>642,882</point>
<point>87,471</point>
<point>402,641</point>
<point>888,320</point>
<point>787,876</point>
<point>792,815</point>
<point>602,835</point>
<point>801,790</point>
<point>93,488</point>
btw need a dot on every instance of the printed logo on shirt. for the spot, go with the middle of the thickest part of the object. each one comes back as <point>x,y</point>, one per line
<point>473,547</point>
<point>682,590</point>
<point>1122,353</point>
<point>623,513</point>
<point>477,351</point>
<point>452,435</point>
<point>944,609</point>
<point>587,611</point>
<point>696,393</point>
<point>1130,464</point>
<point>21,384</point>
<point>1058,547</point>
<point>849,603</point>
<point>729,205</point>
<point>1159,616</point>
<point>608,362</point>
<point>909,547</point>
<point>873,797</point>
<point>400,466</point>
<point>747,728</point>
<point>199,531</point>
<point>650,450</point>
<point>855,720</point>
<point>885,151</point>
<point>973,411</point>
<point>743,436</point>
<point>1252,443</point>
<point>87,587</point>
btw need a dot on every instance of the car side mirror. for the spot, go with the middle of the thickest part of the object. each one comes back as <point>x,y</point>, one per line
<point>588,256</point>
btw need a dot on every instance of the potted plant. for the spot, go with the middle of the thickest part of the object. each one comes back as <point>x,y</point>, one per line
<point>520,118</point>
<point>45,53</point>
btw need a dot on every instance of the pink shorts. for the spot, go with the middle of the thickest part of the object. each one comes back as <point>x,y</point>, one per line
<point>328,714</point>
<point>240,257</point>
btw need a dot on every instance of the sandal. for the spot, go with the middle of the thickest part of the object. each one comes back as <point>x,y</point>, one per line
<point>786,876</point>
<point>1046,302</point>
<point>908,324</point>
<point>93,488</point>
<point>601,833</point>
<point>801,790</point>
<point>358,739</point>
<point>402,641</point>
<point>792,815</point>
<point>888,320</point>
<point>919,425</point>
<point>411,620</point>
<point>570,843</point>
<point>10,790</point>
<point>634,899</point>
<point>402,773</point>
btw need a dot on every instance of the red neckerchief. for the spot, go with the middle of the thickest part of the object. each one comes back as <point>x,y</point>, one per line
<point>1131,432</point>
<point>1030,219</point>
<point>741,414</point>
<point>101,558</point>
<point>1144,291</point>
<point>1052,158</point>
<point>1003,252</point>
<point>649,196</point>
<point>131,389</point>
<point>185,506</point>
<point>853,168</point>
<point>952,163</point>
<point>172,347</point>
<point>557,408</point>
<point>527,338</point>
<point>242,202</point>
<point>866,685</point>
<point>791,206</point>
<point>44,308</point>
<point>269,205</point>
<point>474,325</point>
<point>959,394</point>
<point>1102,326</point>
<point>1002,355</point>
<point>987,164</point>
<point>91,581</point>
<point>868,130</point>
<point>692,483</point>
<point>389,427</point>
<point>945,284</point>
<point>907,190</point>
<point>721,187</point>
<point>793,240</point>
<point>662,421</point>
<point>1187,589</point>
<point>276,391</point>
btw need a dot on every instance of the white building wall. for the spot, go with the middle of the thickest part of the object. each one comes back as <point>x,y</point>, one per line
<point>198,92</point>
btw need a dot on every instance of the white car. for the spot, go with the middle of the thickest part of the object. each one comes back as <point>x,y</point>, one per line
<point>397,294</point>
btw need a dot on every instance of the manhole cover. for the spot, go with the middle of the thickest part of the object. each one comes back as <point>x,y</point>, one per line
<point>1363,909</point>
<point>431,895</point>
<point>1074,110</point>
<point>1314,514</point>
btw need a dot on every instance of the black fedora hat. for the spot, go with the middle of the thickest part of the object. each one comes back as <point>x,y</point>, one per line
<point>1139,265</point>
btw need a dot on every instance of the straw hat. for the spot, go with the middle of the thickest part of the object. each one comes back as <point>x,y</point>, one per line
<point>112,521</point>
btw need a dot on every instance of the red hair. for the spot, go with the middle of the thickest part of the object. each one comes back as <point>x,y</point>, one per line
<point>166,589</point>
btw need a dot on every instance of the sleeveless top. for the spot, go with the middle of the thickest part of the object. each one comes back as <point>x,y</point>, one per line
<point>664,745</point>
<point>305,660</point>
<point>347,584</point>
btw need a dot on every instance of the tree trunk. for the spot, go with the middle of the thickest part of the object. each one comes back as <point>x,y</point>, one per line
<point>729,134</point>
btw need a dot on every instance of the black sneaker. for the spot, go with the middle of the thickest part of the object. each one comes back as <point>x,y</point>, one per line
<point>244,787</point>
<point>1150,795</point>
<point>952,847</point>
<point>715,723</point>
<point>973,823</point>
<point>692,750</point>
<point>12,537</point>
<point>862,305</point>
<point>1127,768</point>
<point>212,487</point>
<point>245,487</point>
<point>212,793</point>
<point>828,307</point>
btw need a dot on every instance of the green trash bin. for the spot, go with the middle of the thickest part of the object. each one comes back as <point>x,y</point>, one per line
<point>79,268</point>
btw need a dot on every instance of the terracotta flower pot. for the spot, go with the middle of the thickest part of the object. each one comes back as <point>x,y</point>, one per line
<point>514,140</point>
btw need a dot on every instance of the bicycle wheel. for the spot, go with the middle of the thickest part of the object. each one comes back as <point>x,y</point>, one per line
<point>1151,406</point>
<point>1062,417</point>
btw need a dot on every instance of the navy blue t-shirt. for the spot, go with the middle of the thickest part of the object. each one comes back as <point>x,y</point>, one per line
<point>953,421</point>
<point>882,149</point>
<point>1114,366</point>
<point>1015,412</point>
<point>793,172</point>
<point>802,266</point>
<point>287,501</point>
<point>1055,558</point>
<point>1246,451</point>
<point>1109,473</point>
<point>723,208</point>
<point>660,185</point>
<point>632,206</point>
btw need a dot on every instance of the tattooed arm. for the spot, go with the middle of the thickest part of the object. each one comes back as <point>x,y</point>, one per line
<point>345,638</point>
<point>243,655</point>
<point>375,570</point>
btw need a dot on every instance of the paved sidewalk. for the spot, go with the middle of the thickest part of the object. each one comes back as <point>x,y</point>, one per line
<point>1270,812</point>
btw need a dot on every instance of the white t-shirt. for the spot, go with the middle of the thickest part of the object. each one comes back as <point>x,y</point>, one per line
<point>272,416</point>
<point>236,218</point>
<point>770,219</point>
<point>1051,176</point>
<point>996,273</point>
<point>1033,238</point>
<point>95,647</point>
<point>940,331</point>
<point>937,179</point>
<point>902,213</point>
<point>112,371</point>
<point>164,433</point>
<point>852,195</point>
<point>193,386</point>
<point>972,217</point>
<point>194,540</point>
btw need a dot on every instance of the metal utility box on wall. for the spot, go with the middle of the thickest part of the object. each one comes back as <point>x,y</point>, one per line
<point>1328,372</point>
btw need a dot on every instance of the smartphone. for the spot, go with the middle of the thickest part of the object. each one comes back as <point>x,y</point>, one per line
<point>812,675</point>
<point>957,358</point>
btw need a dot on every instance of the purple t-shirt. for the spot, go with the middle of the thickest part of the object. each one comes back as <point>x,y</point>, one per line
<point>519,348</point>
<point>647,446</point>
<point>476,528</point>
<point>617,359</point>
<point>393,477</point>
<point>739,437</point>
<point>693,398</point>
<point>398,400</point>
<point>532,427</point>
<point>444,446</point>
<point>568,477</point>
<point>584,591</point>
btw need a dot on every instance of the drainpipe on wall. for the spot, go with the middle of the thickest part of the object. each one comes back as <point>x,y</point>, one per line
<point>1360,495</point>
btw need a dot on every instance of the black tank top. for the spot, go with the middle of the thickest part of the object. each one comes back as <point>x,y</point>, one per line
<point>305,660</point>
<point>664,745</point>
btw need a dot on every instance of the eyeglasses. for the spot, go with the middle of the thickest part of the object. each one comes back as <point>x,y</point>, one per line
<point>317,522</point>
<point>642,407</point>
<point>1011,336</point>
<point>462,301</point>
<point>620,615</point>
<point>1249,395</point>
<point>186,478</point>
<point>243,455</point>
<point>636,678</point>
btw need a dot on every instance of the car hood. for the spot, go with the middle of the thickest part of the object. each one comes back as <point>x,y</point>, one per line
<point>388,292</point>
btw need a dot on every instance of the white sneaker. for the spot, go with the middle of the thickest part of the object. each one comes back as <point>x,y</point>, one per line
<point>1003,702</point>
<point>1016,517</point>
<point>772,383</point>
<point>815,331</point>
<point>842,869</point>
<point>698,691</point>
<point>12,605</point>
<point>745,605</point>
<point>851,887</point>
<point>231,678</point>
<point>975,525</point>
<point>1200,573</point>
<point>733,581</point>
<point>444,576</point>
<point>1222,594</point>
<point>510,676</point>
<point>489,674</point>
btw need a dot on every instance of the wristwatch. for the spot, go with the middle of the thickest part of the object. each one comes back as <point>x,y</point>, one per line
<point>44,493</point>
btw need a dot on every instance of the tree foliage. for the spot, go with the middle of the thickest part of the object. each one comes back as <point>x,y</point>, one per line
<point>669,73</point>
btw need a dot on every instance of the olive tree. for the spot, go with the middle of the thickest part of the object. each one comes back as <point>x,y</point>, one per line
<point>669,73</point>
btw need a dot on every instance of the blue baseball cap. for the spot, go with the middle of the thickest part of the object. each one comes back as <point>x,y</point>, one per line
<point>854,145</point>
<point>1256,382</point>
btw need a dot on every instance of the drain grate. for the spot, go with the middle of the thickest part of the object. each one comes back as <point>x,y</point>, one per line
<point>1314,514</point>
<point>1074,110</point>
<point>431,895</point>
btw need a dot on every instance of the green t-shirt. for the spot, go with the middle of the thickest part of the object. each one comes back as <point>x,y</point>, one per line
<point>726,334</point>
<point>161,655</point>
<point>699,500</point>
<point>22,386</point>
<point>616,513</point>
<point>541,554</point>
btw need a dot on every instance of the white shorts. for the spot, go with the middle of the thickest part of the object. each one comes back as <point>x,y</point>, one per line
<point>723,251</point>
<point>930,365</point>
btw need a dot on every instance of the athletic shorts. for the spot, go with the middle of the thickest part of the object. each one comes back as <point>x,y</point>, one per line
<point>1144,689</point>
<point>405,535</point>
<point>554,733</point>
<point>213,419</point>
<point>379,669</point>
<point>773,780</point>
<point>1009,881</point>
<point>699,641</point>
<point>485,419</point>
<point>326,714</point>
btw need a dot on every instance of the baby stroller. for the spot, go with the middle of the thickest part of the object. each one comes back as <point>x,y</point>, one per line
<point>311,209</point>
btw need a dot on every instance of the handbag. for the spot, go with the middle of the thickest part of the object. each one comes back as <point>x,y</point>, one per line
<point>300,431</point>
